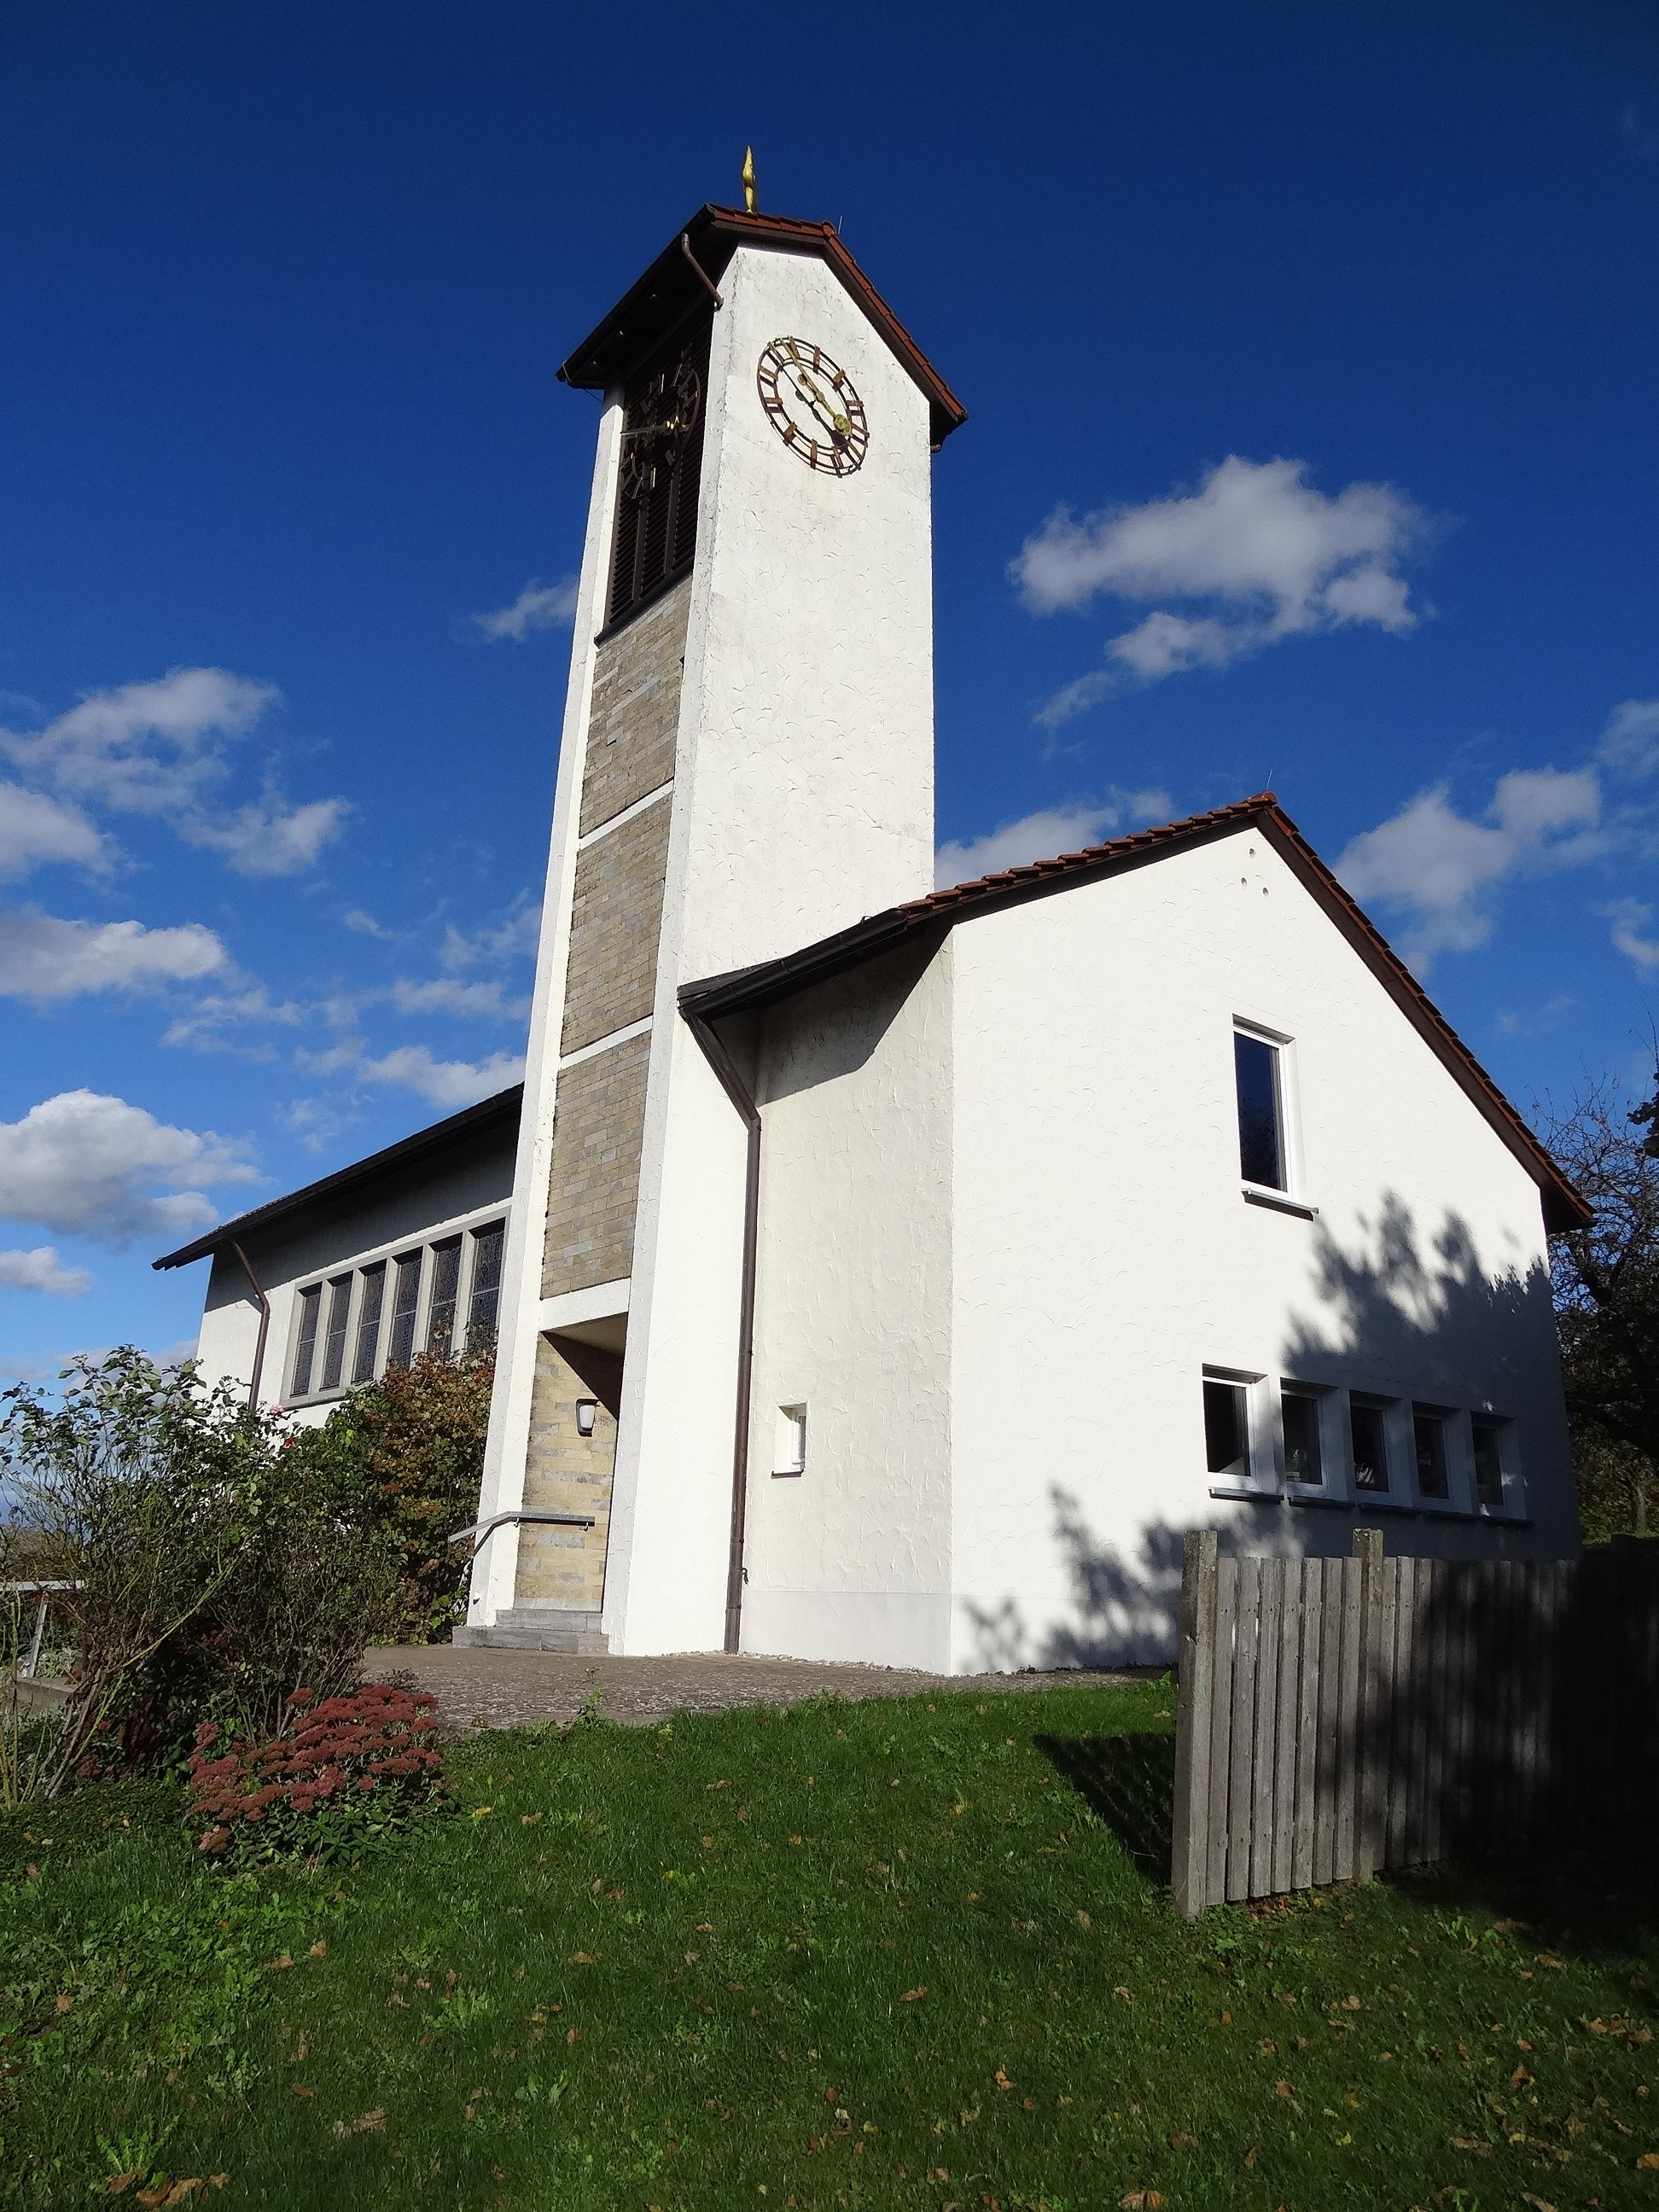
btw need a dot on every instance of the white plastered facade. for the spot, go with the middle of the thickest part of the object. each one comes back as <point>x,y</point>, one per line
<point>1003,1234</point>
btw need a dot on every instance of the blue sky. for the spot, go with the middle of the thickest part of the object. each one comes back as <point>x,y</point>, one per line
<point>1309,352</point>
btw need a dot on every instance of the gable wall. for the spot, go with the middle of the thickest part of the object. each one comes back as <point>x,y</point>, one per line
<point>1104,1252</point>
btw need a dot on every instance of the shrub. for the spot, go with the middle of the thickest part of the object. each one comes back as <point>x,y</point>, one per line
<point>139,1491</point>
<point>406,1455</point>
<point>354,1771</point>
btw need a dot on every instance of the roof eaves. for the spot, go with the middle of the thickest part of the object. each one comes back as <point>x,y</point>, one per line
<point>456,1128</point>
<point>675,279</point>
<point>763,985</point>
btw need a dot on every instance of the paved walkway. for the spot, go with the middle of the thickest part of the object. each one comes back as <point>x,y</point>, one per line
<point>482,1688</point>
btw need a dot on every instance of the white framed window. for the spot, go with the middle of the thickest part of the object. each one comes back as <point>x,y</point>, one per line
<point>350,1327</point>
<point>1267,1119</point>
<point>1430,1442</point>
<point>1303,1409</point>
<point>789,1452</point>
<point>1238,1447</point>
<point>1370,1453</point>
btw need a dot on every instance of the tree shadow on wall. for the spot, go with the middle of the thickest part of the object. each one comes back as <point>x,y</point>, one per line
<point>1125,1607</point>
<point>1128,1782</point>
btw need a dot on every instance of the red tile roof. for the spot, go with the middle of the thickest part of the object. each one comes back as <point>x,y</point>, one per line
<point>1563,1207</point>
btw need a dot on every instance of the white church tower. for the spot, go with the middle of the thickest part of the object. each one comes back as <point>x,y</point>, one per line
<point>746,766</point>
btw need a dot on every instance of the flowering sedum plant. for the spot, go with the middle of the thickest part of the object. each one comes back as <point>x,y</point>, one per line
<point>350,1771</point>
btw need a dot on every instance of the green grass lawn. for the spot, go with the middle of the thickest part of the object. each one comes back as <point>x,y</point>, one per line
<point>895,1953</point>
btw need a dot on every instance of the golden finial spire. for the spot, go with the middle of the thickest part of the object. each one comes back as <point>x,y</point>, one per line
<point>751,199</point>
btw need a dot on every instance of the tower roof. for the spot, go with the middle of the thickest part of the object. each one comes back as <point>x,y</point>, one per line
<point>695,261</point>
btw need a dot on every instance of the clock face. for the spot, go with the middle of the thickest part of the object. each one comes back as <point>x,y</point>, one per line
<point>812,405</point>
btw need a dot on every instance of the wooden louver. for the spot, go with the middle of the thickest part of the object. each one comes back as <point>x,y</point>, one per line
<point>663,411</point>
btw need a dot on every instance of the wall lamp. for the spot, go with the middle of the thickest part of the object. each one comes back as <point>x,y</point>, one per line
<point>587,1412</point>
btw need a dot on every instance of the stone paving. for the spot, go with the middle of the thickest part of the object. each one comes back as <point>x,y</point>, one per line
<point>485,1688</point>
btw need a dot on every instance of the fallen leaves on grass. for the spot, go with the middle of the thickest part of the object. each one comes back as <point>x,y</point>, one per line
<point>1649,2161</point>
<point>910,1996</point>
<point>1140,2200</point>
<point>278,1965</point>
<point>1537,2203</point>
<point>1473,2146</point>
<point>368,2123</point>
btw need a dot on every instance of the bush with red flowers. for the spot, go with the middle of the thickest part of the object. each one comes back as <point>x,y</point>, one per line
<point>347,1774</point>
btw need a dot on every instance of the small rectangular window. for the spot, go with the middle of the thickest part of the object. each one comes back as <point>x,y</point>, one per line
<point>405,1303</point>
<point>791,1441</point>
<point>368,1323</point>
<point>1226,1429</point>
<point>1303,1463</point>
<point>486,1298</point>
<point>334,1345</point>
<point>1489,1464</point>
<point>1368,1431</point>
<point>446,1284</point>
<point>304,1348</point>
<point>1260,1111</point>
<point>1429,1434</point>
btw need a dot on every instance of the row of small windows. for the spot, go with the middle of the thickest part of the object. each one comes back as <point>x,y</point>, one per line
<point>1389,1449</point>
<point>354,1326</point>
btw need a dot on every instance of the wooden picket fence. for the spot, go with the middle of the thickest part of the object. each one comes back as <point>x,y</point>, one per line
<point>1337,1717</point>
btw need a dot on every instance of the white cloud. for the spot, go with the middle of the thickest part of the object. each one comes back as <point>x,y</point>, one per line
<point>446,1083</point>
<point>1439,869</point>
<point>35,830</point>
<point>44,957</point>
<point>161,749</point>
<point>42,1270</point>
<point>202,1026</point>
<point>86,1164</point>
<point>1262,554</point>
<point>268,839</point>
<point>1630,742</point>
<point>144,748</point>
<point>538,606</point>
<point>448,994</point>
<point>515,938</point>
<point>364,924</point>
<point>1628,918</point>
<point>1045,835</point>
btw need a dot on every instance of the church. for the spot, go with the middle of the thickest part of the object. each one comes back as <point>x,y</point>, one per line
<point>888,1273</point>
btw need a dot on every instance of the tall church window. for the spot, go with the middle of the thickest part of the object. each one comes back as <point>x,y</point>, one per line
<point>1258,1075</point>
<point>334,1345</point>
<point>368,1323</point>
<point>486,1285</point>
<point>401,1350</point>
<point>446,1284</point>
<point>660,466</point>
<point>304,1348</point>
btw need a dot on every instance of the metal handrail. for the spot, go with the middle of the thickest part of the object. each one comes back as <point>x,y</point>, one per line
<point>483,1528</point>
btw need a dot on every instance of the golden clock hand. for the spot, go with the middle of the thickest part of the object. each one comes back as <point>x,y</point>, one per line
<point>836,425</point>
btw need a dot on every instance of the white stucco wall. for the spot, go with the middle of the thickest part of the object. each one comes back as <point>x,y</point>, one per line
<point>434,1200</point>
<point>1104,1253</point>
<point>851,1559</point>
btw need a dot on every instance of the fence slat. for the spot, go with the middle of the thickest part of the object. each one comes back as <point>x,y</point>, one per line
<point>1311,1587</point>
<point>1288,1703</point>
<point>1240,1752</point>
<point>1190,1838</point>
<point>1221,1725</point>
<point>1264,1766</point>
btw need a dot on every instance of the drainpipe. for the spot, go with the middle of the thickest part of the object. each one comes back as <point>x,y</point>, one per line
<point>264,1325</point>
<point>737,1091</point>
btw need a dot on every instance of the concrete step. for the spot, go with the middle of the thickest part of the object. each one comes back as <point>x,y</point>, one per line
<point>539,1628</point>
